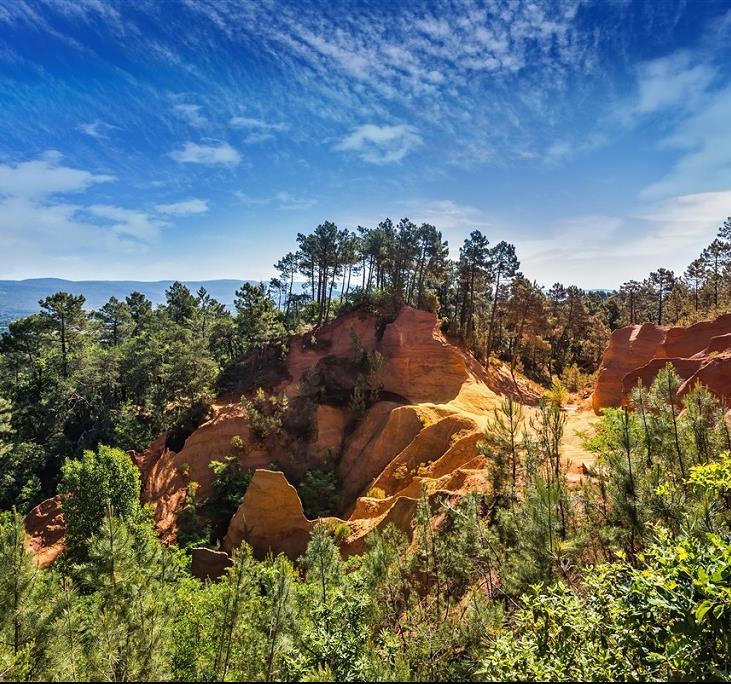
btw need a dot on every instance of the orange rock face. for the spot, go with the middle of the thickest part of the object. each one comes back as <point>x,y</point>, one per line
<point>331,422</point>
<point>421,365</point>
<point>700,353</point>
<point>423,436</point>
<point>166,484</point>
<point>270,518</point>
<point>208,564</point>
<point>45,531</point>
<point>629,348</point>
<point>385,430</point>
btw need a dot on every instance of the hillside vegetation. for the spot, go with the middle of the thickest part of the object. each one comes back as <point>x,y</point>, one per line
<point>446,522</point>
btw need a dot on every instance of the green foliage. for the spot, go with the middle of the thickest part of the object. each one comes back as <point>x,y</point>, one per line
<point>132,429</point>
<point>205,521</point>
<point>193,528</point>
<point>258,320</point>
<point>229,486</point>
<point>27,606</point>
<point>89,486</point>
<point>319,492</point>
<point>714,476</point>
<point>504,445</point>
<point>20,468</point>
<point>666,619</point>
<point>624,578</point>
<point>322,561</point>
<point>264,413</point>
<point>376,493</point>
<point>120,375</point>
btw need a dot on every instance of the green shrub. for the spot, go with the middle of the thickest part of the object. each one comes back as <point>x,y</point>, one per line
<point>98,480</point>
<point>264,413</point>
<point>318,492</point>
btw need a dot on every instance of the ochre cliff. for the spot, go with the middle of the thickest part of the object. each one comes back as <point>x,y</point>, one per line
<point>45,531</point>
<point>700,353</point>
<point>420,435</point>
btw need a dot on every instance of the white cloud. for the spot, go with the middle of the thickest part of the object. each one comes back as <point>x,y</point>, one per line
<point>129,222</point>
<point>286,200</point>
<point>46,176</point>
<point>51,235</point>
<point>191,114</point>
<point>684,223</point>
<point>42,238</point>
<point>704,145</point>
<point>381,144</point>
<point>454,220</point>
<point>183,208</point>
<point>256,124</point>
<point>259,130</point>
<point>257,137</point>
<point>280,200</point>
<point>684,91</point>
<point>447,215</point>
<point>219,153</point>
<point>604,251</point>
<point>96,129</point>
<point>676,80</point>
<point>559,150</point>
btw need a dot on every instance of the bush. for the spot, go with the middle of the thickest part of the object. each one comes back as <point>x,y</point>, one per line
<point>264,414</point>
<point>132,429</point>
<point>90,485</point>
<point>376,493</point>
<point>230,485</point>
<point>666,620</point>
<point>20,485</point>
<point>318,492</point>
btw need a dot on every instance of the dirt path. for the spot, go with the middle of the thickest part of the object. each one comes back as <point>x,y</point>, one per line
<point>580,422</point>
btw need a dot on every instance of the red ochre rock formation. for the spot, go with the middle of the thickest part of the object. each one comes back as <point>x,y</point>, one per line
<point>700,353</point>
<point>270,518</point>
<point>209,564</point>
<point>45,531</point>
<point>421,365</point>
<point>434,390</point>
<point>422,437</point>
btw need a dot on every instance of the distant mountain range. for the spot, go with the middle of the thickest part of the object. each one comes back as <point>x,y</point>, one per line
<point>19,298</point>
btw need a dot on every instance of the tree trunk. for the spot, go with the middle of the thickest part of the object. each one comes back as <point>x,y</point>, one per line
<point>488,349</point>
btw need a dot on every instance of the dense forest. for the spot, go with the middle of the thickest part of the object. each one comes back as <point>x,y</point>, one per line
<point>625,577</point>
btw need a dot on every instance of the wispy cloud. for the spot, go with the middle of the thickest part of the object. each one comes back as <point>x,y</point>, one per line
<point>603,251</point>
<point>259,129</point>
<point>279,200</point>
<point>677,80</point>
<point>219,153</point>
<point>40,226</point>
<point>381,144</point>
<point>436,64</point>
<point>96,129</point>
<point>46,176</point>
<point>703,145</point>
<point>191,114</point>
<point>256,124</point>
<point>183,208</point>
<point>129,223</point>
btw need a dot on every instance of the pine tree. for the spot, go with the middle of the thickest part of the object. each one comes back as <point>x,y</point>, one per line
<point>503,266</point>
<point>661,282</point>
<point>66,314</point>
<point>28,605</point>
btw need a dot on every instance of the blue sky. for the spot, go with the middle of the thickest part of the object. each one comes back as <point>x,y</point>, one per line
<point>193,139</point>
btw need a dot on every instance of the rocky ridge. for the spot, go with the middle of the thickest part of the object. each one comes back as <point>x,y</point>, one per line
<point>420,435</point>
<point>700,353</point>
